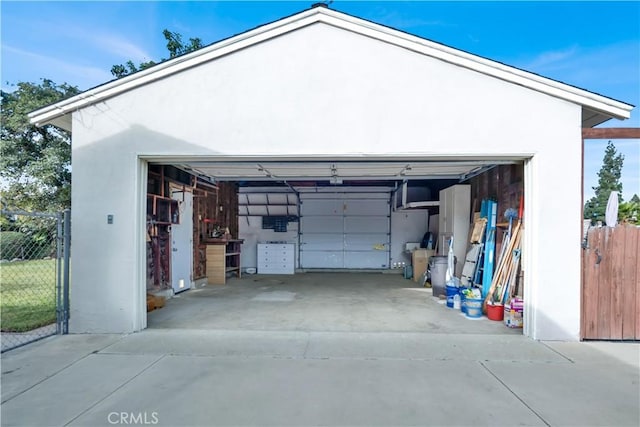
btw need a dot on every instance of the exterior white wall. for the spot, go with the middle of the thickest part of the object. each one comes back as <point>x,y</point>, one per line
<point>321,91</point>
<point>104,290</point>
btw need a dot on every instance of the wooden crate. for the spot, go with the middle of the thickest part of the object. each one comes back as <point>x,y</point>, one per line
<point>216,271</point>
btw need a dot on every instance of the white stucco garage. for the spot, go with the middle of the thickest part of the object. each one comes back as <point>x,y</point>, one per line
<point>322,86</point>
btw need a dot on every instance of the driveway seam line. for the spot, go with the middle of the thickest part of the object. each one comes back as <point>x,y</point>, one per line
<point>57,372</point>
<point>514,394</point>
<point>557,352</point>
<point>115,390</point>
<point>122,336</point>
<point>306,347</point>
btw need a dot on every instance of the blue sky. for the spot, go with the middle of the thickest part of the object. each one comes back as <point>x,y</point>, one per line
<point>592,45</point>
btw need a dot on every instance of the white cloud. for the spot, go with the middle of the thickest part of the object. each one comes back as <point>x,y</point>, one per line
<point>106,41</point>
<point>473,38</point>
<point>605,66</point>
<point>84,76</point>
<point>396,20</point>
<point>553,58</point>
<point>119,46</point>
<point>98,40</point>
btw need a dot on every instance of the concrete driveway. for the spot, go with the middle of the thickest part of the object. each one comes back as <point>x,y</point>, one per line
<point>319,302</point>
<point>297,374</point>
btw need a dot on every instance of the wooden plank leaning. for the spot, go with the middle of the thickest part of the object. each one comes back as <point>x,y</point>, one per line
<point>502,267</point>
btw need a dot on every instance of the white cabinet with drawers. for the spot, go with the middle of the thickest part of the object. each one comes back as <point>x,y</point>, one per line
<point>276,258</point>
<point>454,219</point>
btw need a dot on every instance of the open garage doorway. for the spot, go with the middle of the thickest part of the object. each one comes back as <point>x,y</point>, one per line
<point>315,245</point>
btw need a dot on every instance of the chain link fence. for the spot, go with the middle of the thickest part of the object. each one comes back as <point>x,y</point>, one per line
<point>34,270</point>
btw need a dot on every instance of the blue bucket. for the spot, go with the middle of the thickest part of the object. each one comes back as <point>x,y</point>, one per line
<point>463,301</point>
<point>451,292</point>
<point>474,307</point>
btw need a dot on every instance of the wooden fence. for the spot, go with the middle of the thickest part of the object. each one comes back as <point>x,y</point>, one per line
<point>611,284</point>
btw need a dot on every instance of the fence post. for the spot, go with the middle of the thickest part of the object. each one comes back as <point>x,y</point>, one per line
<point>67,257</point>
<point>59,254</point>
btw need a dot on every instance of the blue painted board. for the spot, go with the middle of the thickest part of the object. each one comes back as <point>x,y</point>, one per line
<point>489,209</point>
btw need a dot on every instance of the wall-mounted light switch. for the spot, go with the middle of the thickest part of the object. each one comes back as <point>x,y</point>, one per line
<point>109,219</point>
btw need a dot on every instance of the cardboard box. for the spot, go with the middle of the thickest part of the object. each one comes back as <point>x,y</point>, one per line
<point>419,262</point>
<point>154,301</point>
<point>513,313</point>
<point>411,246</point>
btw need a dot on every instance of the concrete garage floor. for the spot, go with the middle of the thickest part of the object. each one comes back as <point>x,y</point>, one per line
<point>233,358</point>
<point>330,302</point>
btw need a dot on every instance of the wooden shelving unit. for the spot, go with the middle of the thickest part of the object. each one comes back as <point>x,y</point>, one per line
<point>162,210</point>
<point>215,207</point>
<point>223,256</point>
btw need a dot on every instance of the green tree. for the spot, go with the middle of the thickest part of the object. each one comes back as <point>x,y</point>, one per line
<point>175,46</point>
<point>35,161</point>
<point>35,171</point>
<point>608,181</point>
<point>629,212</point>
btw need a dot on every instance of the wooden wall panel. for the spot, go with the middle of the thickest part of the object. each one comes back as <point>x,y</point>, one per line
<point>205,202</point>
<point>611,284</point>
<point>637,275</point>
<point>591,267</point>
<point>630,293</point>
<point>228,206</point>
<point>604,286</point>
<point>505,185</point>
<point>617,282</point>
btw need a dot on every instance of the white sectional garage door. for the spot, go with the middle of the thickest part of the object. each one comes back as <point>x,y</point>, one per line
<point>344,230</point>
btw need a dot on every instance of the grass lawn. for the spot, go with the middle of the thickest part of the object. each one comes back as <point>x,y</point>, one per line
<point>27,294</point>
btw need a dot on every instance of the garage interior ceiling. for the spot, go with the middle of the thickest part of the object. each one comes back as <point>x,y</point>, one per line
<point>337,171</point>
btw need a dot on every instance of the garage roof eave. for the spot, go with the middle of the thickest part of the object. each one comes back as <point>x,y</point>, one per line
<point>63,122</point>
<point>607,107</point>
